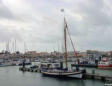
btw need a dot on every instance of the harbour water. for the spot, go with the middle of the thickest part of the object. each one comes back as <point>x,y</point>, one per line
<point>11,76</point>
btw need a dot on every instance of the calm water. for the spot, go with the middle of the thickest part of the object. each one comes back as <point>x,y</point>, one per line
<point>11,76</point>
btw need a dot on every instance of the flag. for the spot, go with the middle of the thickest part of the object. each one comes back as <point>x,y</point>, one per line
<point>62,10</point>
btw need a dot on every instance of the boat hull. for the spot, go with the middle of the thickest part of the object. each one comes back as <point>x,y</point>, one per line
<point>64,75</point>
<point>104,66</point>
<point>105,63</point>
<point>76,76</point>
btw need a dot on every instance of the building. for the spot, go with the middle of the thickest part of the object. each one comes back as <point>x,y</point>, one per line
<point>94,54</point>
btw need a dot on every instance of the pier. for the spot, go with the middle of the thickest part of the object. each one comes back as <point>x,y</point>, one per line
<point>97,76</point>
<point>30,69</point>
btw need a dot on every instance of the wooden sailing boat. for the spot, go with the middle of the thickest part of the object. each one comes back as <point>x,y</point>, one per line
<point>64,72</point>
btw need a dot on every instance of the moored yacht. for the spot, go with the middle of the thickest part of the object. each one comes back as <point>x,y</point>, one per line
<point>62,72</point>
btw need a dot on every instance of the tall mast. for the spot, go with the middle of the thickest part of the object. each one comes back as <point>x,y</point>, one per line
<point>65,33</point>
<point>65,41</point>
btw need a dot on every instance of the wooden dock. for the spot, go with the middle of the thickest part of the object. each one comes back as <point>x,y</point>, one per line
<point>98,76</point>
<point>30,69</point>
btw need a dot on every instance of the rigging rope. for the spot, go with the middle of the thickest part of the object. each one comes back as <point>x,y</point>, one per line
<point>71,40</point>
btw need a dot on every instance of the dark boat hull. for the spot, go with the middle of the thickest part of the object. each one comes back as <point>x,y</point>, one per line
<point>64,75</point>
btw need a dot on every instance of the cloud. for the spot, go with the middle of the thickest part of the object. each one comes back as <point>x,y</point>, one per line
<point>5,12</point>
<point>40,23</point>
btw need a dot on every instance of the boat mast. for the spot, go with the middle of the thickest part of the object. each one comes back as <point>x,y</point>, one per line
<point>65,41</point>
<point>65,44</point>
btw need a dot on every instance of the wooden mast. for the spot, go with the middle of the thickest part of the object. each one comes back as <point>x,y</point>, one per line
<point>65,43</point>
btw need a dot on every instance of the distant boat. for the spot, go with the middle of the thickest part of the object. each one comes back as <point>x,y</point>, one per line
<point>27,62</point>
<point>4,64</point>
<point>108,83</point>
<point>64,72</point>
<point>105,63</point>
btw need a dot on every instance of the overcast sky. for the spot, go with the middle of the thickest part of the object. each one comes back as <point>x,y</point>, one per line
<point>39,24</point>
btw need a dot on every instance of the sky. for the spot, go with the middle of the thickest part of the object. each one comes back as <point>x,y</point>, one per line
<point>38,24</point>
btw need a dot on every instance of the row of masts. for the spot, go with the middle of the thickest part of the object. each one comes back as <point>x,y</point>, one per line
<point>11,46</point>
